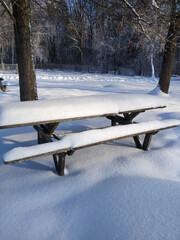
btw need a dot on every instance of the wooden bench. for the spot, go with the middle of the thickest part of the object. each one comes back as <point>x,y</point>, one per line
<point>45,116</point>
<point>2,86</point>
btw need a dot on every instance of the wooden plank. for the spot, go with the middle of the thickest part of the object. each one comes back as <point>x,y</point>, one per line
<point>137,141</point>
<point>151,132</point>
<point>127,136</point>
<point>3,87</point>
<point>59,161</point>
<point>113,122</point>
<point>40,155</point>
<point>118,119</point>
<point>42,136</point>
<point>131,116</point>
<point>50,128</point>
<point>48,121</point>
<point>147,141</point>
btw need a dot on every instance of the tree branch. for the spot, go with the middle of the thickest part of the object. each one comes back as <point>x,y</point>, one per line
<point>7,9</point>
<point>138,17</point>
<point>98,4</point>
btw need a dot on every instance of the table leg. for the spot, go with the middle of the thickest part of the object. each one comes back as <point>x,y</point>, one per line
<point>59,161</point>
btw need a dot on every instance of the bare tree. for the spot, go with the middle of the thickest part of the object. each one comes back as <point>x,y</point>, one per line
<point>21,17</point>
<point>124,36</point>
<point>170,47</point>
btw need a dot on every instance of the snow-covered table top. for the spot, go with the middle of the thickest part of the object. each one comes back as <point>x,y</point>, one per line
<point>16,114</point>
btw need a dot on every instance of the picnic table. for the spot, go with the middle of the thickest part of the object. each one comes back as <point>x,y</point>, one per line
<point>46,115</point>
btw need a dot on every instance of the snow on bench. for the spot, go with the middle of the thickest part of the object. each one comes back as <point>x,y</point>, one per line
<point>45,115</point>
<point>18,114</point>
<point>88,138</point>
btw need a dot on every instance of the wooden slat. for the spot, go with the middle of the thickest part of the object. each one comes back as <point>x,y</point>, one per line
<point>89,145</point>
<point>127,136</point>
<point>40,155</point>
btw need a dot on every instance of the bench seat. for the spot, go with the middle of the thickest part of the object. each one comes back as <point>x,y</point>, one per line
<point>88,138</point>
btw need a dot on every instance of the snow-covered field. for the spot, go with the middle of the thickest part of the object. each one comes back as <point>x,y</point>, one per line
<point>112,191</point>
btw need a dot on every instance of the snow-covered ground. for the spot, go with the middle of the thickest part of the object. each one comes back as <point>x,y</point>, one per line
<point>112,191</point>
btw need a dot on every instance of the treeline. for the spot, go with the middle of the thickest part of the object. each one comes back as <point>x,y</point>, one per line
<point>105,36</point>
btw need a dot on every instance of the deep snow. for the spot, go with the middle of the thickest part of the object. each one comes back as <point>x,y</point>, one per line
<point>111,191</point>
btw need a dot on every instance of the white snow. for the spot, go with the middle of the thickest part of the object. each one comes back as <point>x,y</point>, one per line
<point>155,4</point>
<point>73,107</point>
<point>85,138</point>
<point>152,66</point>
<point>111,191</point>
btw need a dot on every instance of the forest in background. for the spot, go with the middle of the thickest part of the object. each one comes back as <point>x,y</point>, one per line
<point>95,36</point>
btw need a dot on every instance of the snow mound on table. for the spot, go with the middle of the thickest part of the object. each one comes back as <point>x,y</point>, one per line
<point>73,107</point>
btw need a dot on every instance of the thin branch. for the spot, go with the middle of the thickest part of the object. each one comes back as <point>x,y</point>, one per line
<point>98,4</point>
<point>139,19</point>
<point>7,9</point>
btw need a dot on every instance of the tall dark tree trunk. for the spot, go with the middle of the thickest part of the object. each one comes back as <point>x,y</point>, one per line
<point>170,49</point>
<point>27,76</point>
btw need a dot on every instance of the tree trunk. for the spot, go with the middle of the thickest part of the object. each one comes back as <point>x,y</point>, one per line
<point>27,76</point>
<point>170,49</point>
